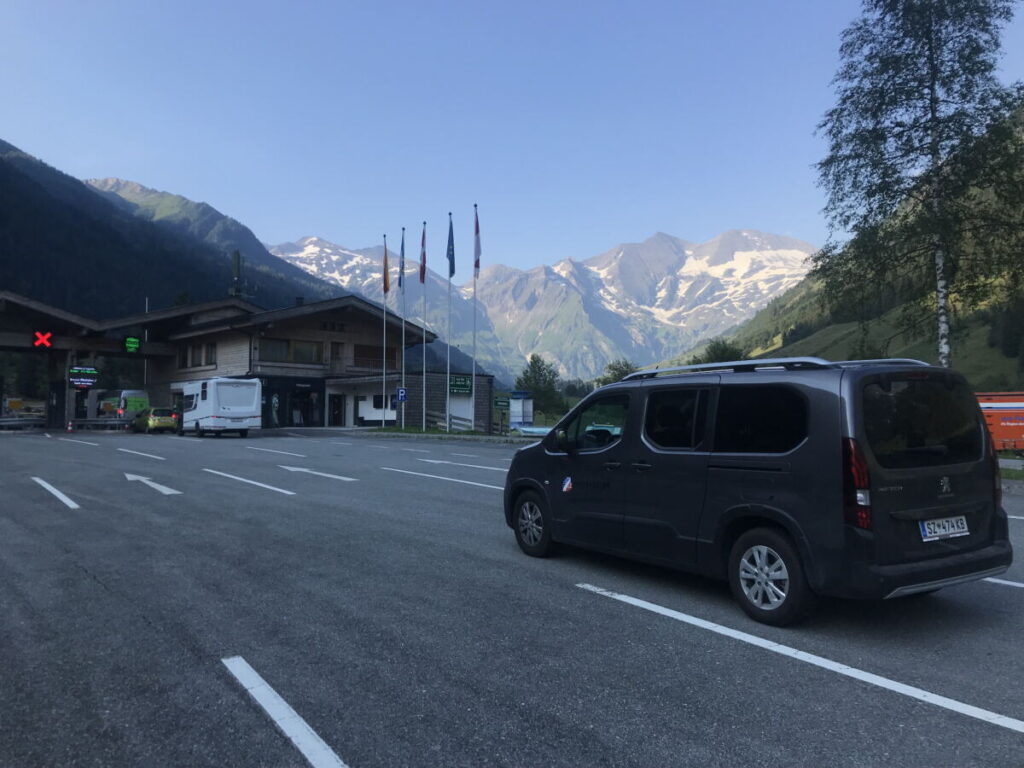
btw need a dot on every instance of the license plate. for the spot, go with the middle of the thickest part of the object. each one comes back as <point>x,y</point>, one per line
<point>943,528</point>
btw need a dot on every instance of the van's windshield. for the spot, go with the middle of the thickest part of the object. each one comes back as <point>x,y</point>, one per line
<point>921,422</point>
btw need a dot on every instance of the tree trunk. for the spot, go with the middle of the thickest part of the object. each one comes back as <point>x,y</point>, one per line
<point>942,304</point>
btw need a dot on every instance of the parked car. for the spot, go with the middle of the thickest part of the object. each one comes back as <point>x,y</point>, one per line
<point>791,478</point>
<point>155,420</point>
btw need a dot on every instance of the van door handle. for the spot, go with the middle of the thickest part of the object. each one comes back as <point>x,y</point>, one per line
<point>642,466</point>
<point>612,464</point>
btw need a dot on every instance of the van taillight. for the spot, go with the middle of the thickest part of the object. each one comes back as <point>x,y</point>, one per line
<point>996,476</point>
<point>856,486</point>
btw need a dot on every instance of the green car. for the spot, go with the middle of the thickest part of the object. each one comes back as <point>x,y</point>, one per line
<point>155,420</point>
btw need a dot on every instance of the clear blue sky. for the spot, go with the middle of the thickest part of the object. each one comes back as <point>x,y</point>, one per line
<point>574,125</point>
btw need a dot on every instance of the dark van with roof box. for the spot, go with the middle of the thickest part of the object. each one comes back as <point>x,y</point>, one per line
<point>791,478</point>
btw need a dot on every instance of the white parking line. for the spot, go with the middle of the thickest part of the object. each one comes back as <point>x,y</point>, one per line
<point>271,450</point>
<point>319,474</point>
<point>72,440</point>
<point>415,450</point>
<point>181,437</point>
<point>458,464</point>
<point>1015,517</point>
<point>338,442</point>
<point>47,434</point>
<point>67,502</point>
<point>468,455</point>
<point>140,453</point>
<point>305,739</point>
<point>250,482</point>
<point>1006,583</point>
<point>819,661</point>
<point>449,479</point>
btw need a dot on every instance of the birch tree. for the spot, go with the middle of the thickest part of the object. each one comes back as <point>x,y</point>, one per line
<point>921,124</point>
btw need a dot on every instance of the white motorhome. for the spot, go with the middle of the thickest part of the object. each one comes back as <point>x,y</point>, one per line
<point>221,405</point>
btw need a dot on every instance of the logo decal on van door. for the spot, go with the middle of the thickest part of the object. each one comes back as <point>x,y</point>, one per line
<point>945,488</point>
<point>567,485</point>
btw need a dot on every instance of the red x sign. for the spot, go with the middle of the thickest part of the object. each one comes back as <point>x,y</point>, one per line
<point>43,339</point>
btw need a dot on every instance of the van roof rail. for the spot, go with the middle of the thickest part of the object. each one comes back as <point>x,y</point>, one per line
<point>790,363</point>
<point>880,361</point>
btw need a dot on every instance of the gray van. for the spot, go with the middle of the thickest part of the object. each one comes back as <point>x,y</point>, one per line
<point>792,478</point>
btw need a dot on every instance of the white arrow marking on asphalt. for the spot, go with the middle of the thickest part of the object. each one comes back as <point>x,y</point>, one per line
<point>155,486</point>
<point>72,440</point>
<point>271,450</point>
<point>320,474</point>
<point>64,499</point>
<point>449,479</point>
<point>140,453</point>
<point>458,464</point>
<point>47,434</point>
<point>250,482</point>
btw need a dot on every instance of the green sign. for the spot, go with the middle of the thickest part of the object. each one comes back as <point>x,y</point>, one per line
<point>501,403</point>
<point>132,343</point>
<point>461,384</point>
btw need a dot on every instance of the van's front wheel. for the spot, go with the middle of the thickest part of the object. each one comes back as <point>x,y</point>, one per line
<point>531,523</point>
<point>767,578</point>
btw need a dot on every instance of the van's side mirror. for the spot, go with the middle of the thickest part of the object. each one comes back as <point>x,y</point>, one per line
<point>562,441</point>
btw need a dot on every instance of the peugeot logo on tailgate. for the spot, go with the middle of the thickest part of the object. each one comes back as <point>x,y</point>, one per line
<point>944,485</point>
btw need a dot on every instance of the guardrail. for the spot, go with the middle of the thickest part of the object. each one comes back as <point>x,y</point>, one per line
<point>22,422</point>
<point>436,419</point>
<point>108,424</point>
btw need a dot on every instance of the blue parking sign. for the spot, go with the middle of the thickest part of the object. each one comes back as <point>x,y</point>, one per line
<point>403,394</point>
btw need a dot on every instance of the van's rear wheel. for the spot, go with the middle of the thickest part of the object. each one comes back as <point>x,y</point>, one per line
<point>532,524</point>
<point>199,431</point>
<point>767,578</point>
<point>243,433</point>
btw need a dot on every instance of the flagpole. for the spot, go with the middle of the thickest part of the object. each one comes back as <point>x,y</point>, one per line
<point>384,353</point>
<point>476,273</point>
<point>423,282</point>
<point>448,378</point>
<point>401,284</point>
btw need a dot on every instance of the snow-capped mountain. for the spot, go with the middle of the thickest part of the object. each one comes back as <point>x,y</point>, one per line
<point>643,301</point>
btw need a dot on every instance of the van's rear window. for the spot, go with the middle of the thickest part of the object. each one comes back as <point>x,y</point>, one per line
<point>922,422</point>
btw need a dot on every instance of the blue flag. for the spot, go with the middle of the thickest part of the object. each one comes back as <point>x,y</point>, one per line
<point>401,265</point>
<point>451,248</point>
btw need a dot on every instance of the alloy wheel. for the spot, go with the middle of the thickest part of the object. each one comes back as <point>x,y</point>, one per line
<point>764,577</point>
<point>531,524</point>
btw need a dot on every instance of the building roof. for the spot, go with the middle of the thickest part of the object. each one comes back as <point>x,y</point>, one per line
<point>264,317</point>
<point>39,308</point>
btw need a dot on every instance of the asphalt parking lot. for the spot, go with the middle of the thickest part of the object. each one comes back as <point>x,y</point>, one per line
<point>349,599</point>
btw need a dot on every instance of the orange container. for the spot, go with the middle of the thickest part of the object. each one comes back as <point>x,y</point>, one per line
<point>1004,414</point>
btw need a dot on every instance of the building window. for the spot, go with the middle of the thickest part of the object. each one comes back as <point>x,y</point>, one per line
<point>307,352</point>
<point>196,357</point>
<point>183,357</point>
<point>211,354</point>
<point>285,351</point>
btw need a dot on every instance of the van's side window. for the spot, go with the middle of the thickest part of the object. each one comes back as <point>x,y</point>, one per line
<point>190,402</point>
<point>675,418</point>
<point>202,390</point>
<point>759,419</point>
<point>600,424</point>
